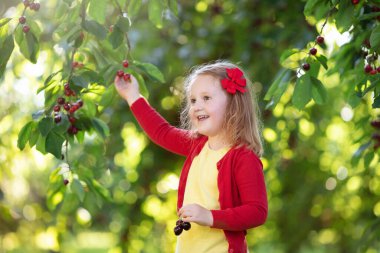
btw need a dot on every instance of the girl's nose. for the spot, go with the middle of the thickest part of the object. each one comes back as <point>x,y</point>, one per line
<point>197,106</point>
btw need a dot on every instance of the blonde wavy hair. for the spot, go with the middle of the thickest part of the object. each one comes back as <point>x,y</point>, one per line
<point>242,119</point>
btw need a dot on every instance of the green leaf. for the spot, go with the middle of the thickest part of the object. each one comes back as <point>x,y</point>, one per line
<point>45,125</point>
<point>173,5</point>
<point>78,189</point>
<point>6,50</point>
<point>28,44</point>
<point>34,136</point>
<point>101,190</point>
<point>134,7</point>
<point>24,135</point>
<point>62,126</point>
<point>151,70</point>
<point>322,60</point>
<point>286,54</point>
<point>368,16</point>
<point>282,76</point>
<point>155,8</point>
<point>54,143</point>
<point>108,96</point>
<point>41,144</point>
<point>344,17</point>
<point>116,37</point>
<point>80,81</point>
<point>123,24</point>
<point>318,91</point>
<point>358,153</point>
<point>4,21</point>
<point>376,102</point>
<point>368,157</point>
<point>48,81</point>
<point>97,10</point>
<point>100,127</point>
<point>95,28</point>
<point>38,114</point>
<point>302,92</point>
<point>80,136</point>
<point>277,88</point>
<point>143,89</point>
<point>89,107</point>
<point>309,6</point>
<point>55,187</point>
<point>375,38</point>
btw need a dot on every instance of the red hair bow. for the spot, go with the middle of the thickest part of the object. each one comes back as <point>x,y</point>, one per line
<point>235,81</point>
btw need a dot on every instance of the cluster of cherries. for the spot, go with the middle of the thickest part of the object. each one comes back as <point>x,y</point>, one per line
<point>371,59</point>
<point>69,107</point>
<point>181,225</point>
<point>121,74</point>
<point>376,136</point>
<point>313,51</point>
<point>371,70</point>
<point>22,20</point>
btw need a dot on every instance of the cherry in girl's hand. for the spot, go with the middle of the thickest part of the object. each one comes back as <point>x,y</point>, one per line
<point>127,86</point>
<point>180,226</point>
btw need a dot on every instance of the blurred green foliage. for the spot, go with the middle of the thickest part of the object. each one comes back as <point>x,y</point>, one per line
<point>322,173</point>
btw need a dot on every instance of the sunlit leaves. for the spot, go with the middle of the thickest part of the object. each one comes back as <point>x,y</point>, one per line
<point>318,91</point>
<point>55,189</point>
<point>173,5</point>
<point>322,60</point>
<point>151,70</point>
<point>155,9</point>
<point>95,28</point>
<point>24,135</point>
<point>49,81</point>
<point>134,7</point>
<point>302,92</point>
<point>78,189</point>
<point>4,21</point>
<point>97,10</point>
<point>29,42</point>
<point>6,49</point>
<point>277,88</point>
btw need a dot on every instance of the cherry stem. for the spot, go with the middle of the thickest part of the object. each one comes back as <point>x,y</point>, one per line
<point>118,6</point>
<point>129,46</point>
<point>67,152</point>
<point>71,62</point>
<point>23,13</point>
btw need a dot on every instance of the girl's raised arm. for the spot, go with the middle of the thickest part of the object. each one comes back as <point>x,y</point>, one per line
<point>157,128</point>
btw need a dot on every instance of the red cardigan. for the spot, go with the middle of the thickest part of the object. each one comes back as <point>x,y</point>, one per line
<point>241,185</point>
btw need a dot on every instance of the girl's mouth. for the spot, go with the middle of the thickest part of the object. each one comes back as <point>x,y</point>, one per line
<point>202,117</point>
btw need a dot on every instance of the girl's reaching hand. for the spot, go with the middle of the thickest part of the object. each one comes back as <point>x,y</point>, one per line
<point>196,213</point>
<point>129,90</point>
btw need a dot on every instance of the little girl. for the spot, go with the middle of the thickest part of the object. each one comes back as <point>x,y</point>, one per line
<point>221,189</point>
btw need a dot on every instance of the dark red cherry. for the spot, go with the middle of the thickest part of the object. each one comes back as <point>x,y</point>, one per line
<point>178,230</point>
<point>186,225</point>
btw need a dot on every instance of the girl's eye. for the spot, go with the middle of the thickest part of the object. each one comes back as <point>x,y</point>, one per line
<point>206,98</point>
<point>192,101</point>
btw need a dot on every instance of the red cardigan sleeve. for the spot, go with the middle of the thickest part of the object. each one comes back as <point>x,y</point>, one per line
<point>251,208</point>
<point>159,130</point>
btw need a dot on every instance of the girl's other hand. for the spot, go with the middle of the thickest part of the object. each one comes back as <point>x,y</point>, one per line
<point>129,90</point>
<point>196,213</point>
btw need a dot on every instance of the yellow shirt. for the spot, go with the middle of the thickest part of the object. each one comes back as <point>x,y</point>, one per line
<point>202,189</point>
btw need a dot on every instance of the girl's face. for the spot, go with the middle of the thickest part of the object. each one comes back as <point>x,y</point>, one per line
<point>208,103</point>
